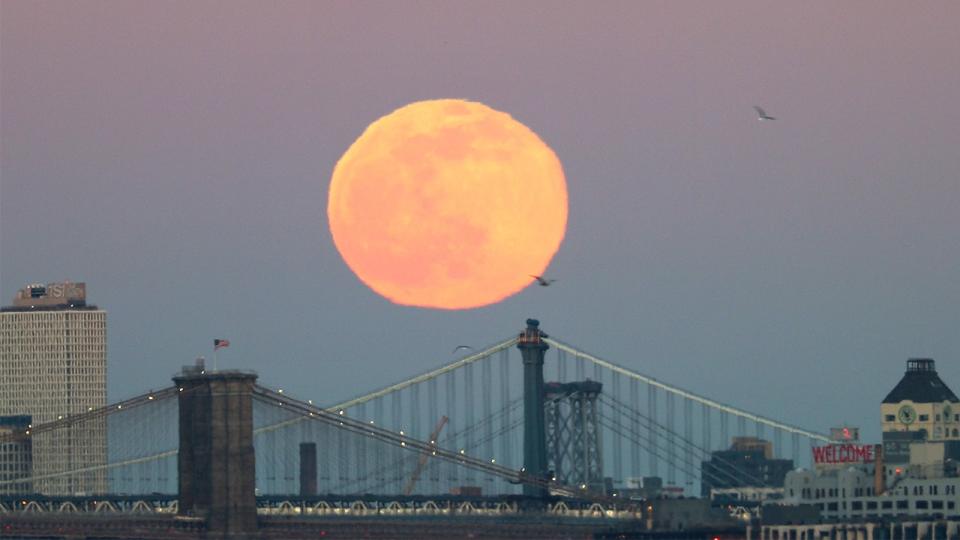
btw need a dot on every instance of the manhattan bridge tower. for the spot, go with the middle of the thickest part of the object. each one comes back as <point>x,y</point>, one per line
<point>573,433</point>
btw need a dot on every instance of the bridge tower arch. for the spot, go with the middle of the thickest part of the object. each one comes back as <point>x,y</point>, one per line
<point>216,457</point>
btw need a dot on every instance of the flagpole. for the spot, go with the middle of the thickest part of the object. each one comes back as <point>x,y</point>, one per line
<point>214,357</point>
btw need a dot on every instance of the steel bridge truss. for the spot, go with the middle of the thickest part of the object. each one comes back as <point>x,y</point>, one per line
<point>573,434</point>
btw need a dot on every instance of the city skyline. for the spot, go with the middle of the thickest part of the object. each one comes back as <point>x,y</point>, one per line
<point>789,267</point>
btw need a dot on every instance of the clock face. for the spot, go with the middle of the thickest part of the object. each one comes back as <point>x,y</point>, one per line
<point>907,415</point>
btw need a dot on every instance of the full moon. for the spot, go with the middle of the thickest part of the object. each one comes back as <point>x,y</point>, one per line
<point>447,204</point>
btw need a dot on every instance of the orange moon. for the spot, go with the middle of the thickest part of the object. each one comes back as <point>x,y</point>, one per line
<point>447,204</point>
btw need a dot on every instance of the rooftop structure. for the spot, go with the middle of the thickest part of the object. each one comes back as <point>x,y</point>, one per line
<point>63,295</point>
<point>921,384</point>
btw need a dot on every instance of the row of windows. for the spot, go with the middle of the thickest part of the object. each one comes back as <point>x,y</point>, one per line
<point>13,447</point>
<point>17,315</point>
<point>925,418</point>
<point>808,493</point>
<point>25,353</point>
<point>827,493</point>
<point>888,505</point>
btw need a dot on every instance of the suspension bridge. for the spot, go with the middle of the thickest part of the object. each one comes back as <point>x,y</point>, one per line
<point>557,436</point>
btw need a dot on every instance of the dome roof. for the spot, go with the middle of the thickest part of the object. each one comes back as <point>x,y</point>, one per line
<point>921,384</point>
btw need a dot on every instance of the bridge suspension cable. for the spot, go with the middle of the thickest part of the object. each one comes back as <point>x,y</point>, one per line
<point>686,443</point>
<point>393,388</point>
<point>396,439</point>
<point>740,413</point>
<point>466,360</point>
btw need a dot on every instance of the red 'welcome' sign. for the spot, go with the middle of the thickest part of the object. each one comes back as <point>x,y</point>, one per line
<point>843,453</point>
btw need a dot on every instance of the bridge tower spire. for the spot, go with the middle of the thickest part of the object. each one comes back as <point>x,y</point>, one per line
<point>216,458</point>
<point>533,349</point>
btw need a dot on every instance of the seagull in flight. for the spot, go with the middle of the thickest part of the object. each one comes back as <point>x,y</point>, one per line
<point>541,281</point>
<point>762,115</point>
<point>461,347</point>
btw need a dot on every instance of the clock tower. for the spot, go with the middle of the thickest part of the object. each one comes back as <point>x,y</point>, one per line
<point>921,406</point>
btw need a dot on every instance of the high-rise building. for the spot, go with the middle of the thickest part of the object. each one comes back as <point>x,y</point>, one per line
<point>53,365</point>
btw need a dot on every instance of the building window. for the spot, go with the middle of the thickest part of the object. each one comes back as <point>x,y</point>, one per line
<point>887,505</point>
<point>889,418</point>
<point>871,505</point>
<point>832,507</point>
<point>922,505</point>
<point>937,505</point>
<point>856,505</point>
<point>902,505</point>
<point>936,417</point>
<point>924,417</point>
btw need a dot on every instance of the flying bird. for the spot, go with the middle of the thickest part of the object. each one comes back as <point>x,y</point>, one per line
<point>762,115</point>
<point>459,347</point>
<point>542,282</point>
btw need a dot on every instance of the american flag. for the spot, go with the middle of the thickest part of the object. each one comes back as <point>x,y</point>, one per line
<point>220,343</point>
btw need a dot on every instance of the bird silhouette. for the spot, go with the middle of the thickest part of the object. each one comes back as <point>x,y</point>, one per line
<point>762,115</point>
<point>541,281</point>
<point>459,347</point>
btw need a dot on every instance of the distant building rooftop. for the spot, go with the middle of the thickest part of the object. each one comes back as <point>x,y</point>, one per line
<point>50,296</point>
<point>921,384</point>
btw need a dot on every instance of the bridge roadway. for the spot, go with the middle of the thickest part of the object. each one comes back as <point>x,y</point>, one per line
<point>344,523</point>
<point>329,516</point>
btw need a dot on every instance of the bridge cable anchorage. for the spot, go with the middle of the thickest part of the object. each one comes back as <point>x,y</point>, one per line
<point>687,394</point>
<point>389,437</point>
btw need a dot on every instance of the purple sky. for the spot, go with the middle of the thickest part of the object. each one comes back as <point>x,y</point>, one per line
<point>176,157</point>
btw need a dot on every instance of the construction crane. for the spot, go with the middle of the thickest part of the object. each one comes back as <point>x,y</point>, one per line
<point>424,457</point>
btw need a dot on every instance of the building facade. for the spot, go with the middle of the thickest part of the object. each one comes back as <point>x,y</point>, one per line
<point>53,360</point>
<point>913,474</point>
<point>16,457</point>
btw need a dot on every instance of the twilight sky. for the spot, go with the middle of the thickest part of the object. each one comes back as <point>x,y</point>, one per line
<point>176,156</point>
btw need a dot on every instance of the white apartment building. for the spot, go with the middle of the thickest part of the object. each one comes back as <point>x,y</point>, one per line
<point>920,459</point>
<point>53,365</point>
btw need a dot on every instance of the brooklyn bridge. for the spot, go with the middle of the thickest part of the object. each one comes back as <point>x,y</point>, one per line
<point>528,438</point>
